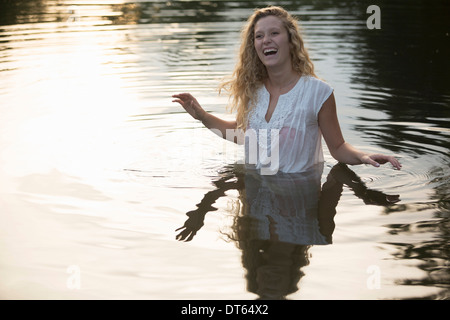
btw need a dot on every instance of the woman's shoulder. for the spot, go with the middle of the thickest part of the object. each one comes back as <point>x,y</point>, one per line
<point>317,87</point>
<point>315,81</point>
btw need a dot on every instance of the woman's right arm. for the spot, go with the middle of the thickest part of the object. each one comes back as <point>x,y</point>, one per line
<point>225,129</point>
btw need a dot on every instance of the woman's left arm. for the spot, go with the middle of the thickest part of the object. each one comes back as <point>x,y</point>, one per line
<point>341,150</point>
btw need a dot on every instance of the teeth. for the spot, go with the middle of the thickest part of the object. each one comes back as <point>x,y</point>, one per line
<point>270,51</point>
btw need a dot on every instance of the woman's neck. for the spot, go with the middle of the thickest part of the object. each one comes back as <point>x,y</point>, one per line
<point>280,81</point>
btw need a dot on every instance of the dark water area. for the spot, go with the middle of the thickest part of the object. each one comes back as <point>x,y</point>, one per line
<point>102,172</point>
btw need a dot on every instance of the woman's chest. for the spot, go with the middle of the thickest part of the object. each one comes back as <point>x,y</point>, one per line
<point>281,112</point>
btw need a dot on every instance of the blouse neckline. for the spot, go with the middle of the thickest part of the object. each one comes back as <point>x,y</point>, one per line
<point>275,112</point>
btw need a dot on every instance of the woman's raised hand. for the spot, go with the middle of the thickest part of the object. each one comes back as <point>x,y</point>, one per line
<point>190,104</point>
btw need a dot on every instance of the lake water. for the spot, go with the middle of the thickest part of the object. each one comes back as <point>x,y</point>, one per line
<point>98,167</point>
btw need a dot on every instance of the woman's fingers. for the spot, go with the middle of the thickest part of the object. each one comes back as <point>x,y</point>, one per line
<point>368,159</point>
<point>396,163</point>
<point>184,97</point>
<point>377,159</point>
<point>392,160</point>
<point>190,104</point>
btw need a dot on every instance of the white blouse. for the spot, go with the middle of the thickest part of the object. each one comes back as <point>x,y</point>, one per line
<point>291,141</point>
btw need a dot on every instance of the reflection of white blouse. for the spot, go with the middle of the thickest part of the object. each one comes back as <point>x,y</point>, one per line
<point>293,130</point>
<point>284,206</point>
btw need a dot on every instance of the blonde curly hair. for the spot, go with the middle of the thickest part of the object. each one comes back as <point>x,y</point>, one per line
<point>249,73</point>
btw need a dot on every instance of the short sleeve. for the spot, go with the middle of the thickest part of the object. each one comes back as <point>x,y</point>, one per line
<point>320,91</point>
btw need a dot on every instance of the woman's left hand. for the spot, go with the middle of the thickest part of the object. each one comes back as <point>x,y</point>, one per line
<point>377,159</point>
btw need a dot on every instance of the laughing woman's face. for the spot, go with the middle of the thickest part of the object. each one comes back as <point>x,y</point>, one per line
<point>272,42</point>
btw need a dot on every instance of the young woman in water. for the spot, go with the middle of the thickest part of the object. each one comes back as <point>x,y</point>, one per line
<point>274,89</point>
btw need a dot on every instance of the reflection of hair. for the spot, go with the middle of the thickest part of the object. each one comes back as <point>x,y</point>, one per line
<point>273,268</point>
<point>250,72</point>
<point>268,275</point>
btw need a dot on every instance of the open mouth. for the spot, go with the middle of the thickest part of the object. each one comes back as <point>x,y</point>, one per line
<point>270,51</point>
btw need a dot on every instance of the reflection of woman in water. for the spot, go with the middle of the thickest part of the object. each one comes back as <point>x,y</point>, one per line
<point>275,228</point>
<point>280,216</point>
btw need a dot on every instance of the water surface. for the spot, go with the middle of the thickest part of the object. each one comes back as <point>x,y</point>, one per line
<point>99,167</point>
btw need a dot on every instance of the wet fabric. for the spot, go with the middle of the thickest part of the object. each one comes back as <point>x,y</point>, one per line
<point>291,141</point>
